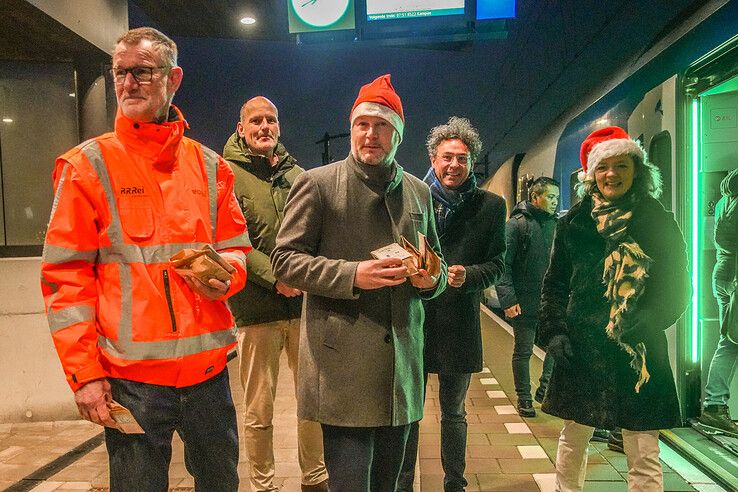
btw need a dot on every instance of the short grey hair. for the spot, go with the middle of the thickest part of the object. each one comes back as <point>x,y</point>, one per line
<point>456,128</point>
<point>164,46</point>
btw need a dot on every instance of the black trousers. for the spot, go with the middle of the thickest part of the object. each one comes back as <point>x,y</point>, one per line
<point>364,459</point>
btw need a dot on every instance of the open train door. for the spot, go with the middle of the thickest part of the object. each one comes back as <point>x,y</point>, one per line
<point>707,150</point>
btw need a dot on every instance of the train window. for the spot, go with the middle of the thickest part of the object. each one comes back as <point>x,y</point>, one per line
<point>524,183</point>
<point>573,182</point>
<point>659,153</point>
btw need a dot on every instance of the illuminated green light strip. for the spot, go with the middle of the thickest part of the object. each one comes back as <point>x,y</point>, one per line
<point>695,229</point>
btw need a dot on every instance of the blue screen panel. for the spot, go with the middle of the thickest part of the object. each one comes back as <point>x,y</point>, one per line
<point>495,9</point>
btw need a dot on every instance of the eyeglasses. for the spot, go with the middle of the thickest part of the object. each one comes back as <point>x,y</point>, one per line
<point>460,158</point>
<point>141,75</point>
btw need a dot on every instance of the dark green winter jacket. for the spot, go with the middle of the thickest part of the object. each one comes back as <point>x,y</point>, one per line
<point>261,190</point>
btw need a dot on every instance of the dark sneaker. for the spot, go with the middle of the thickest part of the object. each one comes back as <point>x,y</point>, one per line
<point>615,441</point>
<point>717,417</point>
<point>600,435</point>
<point>525,408</point>
<point>539,395</point>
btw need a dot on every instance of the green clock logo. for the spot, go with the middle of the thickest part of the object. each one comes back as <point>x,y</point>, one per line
<point>320,13</point>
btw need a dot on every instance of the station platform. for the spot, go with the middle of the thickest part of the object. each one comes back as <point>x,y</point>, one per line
<point>505,452</point>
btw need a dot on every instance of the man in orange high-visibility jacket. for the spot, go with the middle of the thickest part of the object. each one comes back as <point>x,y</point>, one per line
<point>126,326</point>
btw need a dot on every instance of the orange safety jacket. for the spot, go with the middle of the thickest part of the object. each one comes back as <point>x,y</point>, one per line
<point>124,203</point>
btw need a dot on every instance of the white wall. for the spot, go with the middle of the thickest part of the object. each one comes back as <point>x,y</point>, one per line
<point>98,21</point>
<point>33,384</point>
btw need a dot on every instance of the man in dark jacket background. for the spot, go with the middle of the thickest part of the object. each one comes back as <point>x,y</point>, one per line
<point>267,312</point>
<point>715,411</point>
<point>528,238</point>
<point>471,228</point>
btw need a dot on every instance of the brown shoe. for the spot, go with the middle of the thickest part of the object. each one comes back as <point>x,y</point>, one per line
<point>318,487</point>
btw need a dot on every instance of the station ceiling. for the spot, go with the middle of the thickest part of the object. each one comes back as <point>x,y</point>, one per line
<point>555,54</point>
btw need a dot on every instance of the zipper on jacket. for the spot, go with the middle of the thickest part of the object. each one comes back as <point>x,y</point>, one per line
<point>168,293</point>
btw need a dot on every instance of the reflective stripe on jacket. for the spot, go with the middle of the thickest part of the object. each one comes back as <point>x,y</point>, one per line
<point>124,203</point>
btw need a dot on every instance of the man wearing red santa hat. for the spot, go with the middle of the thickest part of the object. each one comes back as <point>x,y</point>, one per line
<point>361,340</point>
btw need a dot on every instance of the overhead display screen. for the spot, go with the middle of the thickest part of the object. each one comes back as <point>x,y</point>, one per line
<point>495,9</point>
<point>320,15</point>
<point>403,9</point>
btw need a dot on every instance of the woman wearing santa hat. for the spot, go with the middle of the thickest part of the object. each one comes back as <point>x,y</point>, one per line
<point>616,281</point>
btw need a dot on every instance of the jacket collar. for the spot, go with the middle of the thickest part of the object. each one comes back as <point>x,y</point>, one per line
<point>158,142</point>
<point>237,152</point>
<point>375,176</point>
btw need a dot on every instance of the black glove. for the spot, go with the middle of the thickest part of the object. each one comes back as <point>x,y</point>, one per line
<point>637,327</point>
<point>560,349</point>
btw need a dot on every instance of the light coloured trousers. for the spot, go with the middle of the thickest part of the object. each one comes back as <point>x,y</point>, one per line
<point>259,349</point>
<point>641,450</point>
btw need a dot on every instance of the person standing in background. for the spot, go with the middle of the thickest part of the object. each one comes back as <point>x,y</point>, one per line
<point>267,311</point>
<point>715,413</point>
<point>471,227</point>
<point>528,236</point>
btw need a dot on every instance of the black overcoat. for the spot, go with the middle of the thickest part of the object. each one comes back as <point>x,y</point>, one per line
<point>598,388</point>
<point>474,237</point>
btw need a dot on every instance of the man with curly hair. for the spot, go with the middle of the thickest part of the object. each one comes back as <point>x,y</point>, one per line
<point>471,228</point>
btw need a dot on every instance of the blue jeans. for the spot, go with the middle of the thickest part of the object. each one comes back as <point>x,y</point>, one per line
<point>452,388</point>
<point>524,330</point>
<point>722,369</point>
<point>363,459</point>
<point>204,417</point>
<point>723,364</point>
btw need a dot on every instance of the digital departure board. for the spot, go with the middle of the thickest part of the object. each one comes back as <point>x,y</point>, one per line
<point>495,9</point>
<point>403,9</point>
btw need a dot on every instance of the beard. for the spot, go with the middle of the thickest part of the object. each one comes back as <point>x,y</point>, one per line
<point>383,160</point>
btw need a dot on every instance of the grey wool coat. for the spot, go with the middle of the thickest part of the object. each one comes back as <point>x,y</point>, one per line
<point>361,351</point>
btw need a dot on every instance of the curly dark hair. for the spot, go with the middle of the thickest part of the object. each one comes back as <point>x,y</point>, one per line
<point>455,128</point>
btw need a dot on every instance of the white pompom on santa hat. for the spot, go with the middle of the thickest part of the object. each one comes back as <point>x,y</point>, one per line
<point>604,143</point>
<point>378,98</point>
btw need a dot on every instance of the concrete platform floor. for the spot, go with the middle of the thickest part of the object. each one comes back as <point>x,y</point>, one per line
<point>505,452</point>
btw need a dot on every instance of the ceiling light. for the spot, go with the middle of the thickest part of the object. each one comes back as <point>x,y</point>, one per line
<point>7,120</point>
<point>248,21</point>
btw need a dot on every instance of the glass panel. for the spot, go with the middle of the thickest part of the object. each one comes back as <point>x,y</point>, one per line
<point>659,153</point>
<point>38,102</point>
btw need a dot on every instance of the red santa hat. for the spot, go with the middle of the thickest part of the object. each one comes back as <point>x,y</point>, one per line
<point>378,98</point>
<point>604,143</point>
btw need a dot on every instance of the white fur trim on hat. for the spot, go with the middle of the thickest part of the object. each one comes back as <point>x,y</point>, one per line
<point>380,111</point>
<point>610,148</point>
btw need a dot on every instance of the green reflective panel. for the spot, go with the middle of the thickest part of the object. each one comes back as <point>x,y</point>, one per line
<point>695,242</point>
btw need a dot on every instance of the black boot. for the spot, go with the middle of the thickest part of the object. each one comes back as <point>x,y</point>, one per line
<point>717,417</point>
<point>600,435</point>
<point>525,408</point>
<point>615,441</point>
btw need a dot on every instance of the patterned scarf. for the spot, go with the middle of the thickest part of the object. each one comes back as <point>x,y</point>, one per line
<point>446,201</point>
<point>626,268</point>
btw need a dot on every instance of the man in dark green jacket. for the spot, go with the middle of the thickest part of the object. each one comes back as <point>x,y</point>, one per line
<point>267,311</point>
